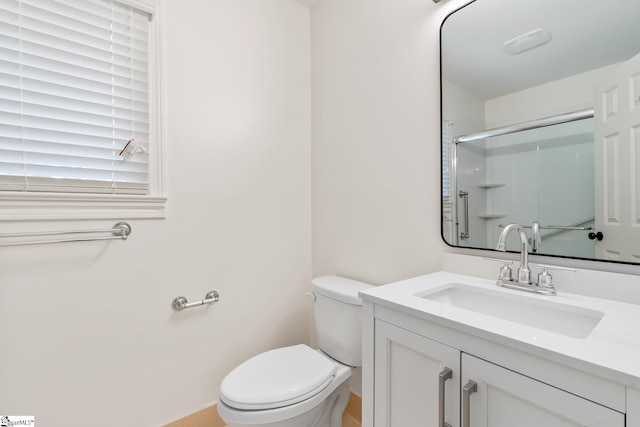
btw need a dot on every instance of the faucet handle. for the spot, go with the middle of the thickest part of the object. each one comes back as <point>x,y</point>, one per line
<point>505,271</point>
<point>544,277</point>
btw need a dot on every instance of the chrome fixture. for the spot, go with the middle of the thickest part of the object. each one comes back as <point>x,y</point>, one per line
<point>467,391</point>
<point>120,231</point>
<point>557,229</point>
<point>533,124</point>
<point>523,282</point>
<point>575,227</point>
<point>180,303</point>
<point>465,198</point>
<point>445,375</point>
<point>545,279</point>
<point>536,237</point>
<point>524,274</point>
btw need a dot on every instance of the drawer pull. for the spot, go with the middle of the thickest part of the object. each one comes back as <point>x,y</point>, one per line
<point>467,391</point>
<point>445,375</point>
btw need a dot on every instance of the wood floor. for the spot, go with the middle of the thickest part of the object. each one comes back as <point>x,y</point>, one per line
<point>347,421</point>
<point>209,417</point>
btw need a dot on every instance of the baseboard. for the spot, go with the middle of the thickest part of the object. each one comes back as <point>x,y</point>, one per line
<point>208,417</point>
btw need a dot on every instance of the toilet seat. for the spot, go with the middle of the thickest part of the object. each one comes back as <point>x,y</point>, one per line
<point>277,378</point>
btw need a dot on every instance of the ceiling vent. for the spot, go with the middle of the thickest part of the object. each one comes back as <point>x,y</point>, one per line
<point>527,41</point>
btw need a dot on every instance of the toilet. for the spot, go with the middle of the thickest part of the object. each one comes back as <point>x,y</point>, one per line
<point>298,386</point>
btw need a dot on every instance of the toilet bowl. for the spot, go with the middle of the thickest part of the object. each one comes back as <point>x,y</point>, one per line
<point>254,394</point>
<point>298,386</point>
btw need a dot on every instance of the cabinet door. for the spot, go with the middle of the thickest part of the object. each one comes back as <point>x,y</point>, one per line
<point>504,398</point>
<point>407,389</point>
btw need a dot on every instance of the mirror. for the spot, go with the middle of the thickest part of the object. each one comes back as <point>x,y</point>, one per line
<point>541,126</point>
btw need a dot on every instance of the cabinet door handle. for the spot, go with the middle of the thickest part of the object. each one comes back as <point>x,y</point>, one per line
<point>467,391</point>
<point>445,375</point>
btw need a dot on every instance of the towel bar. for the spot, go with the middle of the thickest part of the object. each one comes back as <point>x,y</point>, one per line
<point>120,230</point>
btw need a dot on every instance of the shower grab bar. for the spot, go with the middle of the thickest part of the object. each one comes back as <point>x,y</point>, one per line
<point>181,303</point>
<point>561,227</point>
<point>465,199</point>
<point>533,124</point>
<point>120,230</point>
<point>558,229</point>
<point>574,227</point>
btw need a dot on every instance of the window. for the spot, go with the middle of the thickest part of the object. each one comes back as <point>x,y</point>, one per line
<point>78,80</point>
<point>446,160</point>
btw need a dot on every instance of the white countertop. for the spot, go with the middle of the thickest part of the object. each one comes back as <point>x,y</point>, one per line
<point>611,350</point>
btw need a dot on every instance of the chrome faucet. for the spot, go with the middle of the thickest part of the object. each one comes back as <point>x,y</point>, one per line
<point>536,237</point>
<point>524,273</point>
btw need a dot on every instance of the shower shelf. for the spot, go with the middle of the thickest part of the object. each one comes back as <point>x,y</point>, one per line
<point>491,184</point>
<point>489,216</point>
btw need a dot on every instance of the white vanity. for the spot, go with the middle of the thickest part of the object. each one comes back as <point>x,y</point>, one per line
<point>448,349</point>
<point>456,350</point>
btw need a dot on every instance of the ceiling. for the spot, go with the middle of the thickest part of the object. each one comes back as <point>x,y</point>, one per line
<point>586,34</point>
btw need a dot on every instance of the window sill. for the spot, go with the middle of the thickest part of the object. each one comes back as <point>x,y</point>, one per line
<point>47,206</point>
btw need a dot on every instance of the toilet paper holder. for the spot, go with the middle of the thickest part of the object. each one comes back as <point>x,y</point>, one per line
<point>181,303</point>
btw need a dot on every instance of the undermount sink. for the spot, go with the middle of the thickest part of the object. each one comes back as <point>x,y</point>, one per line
<point>534,311</point>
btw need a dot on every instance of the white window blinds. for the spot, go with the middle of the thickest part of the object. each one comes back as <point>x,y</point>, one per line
<point>446,159</point>
<point>74,88</point>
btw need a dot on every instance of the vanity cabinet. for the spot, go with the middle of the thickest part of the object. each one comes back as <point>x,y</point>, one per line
<point>410,371</point>
<point>418,381</point>
<point>497,397</point>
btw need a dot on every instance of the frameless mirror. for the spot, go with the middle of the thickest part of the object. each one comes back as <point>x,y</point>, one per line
<point>541,126</point>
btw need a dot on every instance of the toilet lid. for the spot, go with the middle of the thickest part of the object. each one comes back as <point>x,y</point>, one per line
<point>277,378</point>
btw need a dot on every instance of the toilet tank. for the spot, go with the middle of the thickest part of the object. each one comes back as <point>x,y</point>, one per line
<point>337,310</point>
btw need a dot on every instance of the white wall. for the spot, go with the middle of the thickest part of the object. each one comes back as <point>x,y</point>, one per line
<point>375,138</point>
<point>87,333</point>
<point>561,96</point>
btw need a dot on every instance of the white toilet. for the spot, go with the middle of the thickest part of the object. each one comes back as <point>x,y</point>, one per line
<point>297,386</point>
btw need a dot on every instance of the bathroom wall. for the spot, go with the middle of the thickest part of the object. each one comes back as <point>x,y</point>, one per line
<point>87,333</point>
<point>376,138</point>
<point>569,94</point>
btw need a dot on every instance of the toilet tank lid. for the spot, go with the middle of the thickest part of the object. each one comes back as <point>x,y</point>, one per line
<point>340,288</point>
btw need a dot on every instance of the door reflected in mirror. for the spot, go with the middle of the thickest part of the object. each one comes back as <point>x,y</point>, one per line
<point>541,123</point>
